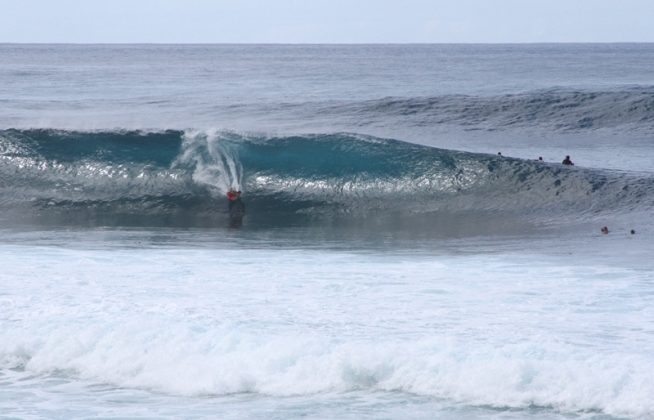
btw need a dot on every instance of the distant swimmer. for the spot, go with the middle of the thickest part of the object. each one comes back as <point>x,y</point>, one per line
<point>236,208</point>
<point>499,153</point>
<point>567,161</point>
<point>540,158</point>
<point>605,230</point>
<point>633,232</point>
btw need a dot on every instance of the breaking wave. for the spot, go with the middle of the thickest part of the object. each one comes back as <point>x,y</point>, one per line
<point>179,360</point>
<point>180,177</point>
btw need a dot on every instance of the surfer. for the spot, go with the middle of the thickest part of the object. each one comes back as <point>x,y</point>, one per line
<point>567,161</point>
<point>236,208</point>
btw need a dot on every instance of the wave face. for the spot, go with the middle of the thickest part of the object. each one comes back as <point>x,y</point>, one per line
<point>554,109</point>
<point>180,178</point>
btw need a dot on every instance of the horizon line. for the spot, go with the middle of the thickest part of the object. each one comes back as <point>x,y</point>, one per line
<point>332,43</point>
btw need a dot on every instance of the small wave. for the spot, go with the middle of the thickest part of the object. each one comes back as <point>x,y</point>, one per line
<point>549,110</point>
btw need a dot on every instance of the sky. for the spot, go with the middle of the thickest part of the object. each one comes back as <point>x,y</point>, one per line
<point>326,21</point>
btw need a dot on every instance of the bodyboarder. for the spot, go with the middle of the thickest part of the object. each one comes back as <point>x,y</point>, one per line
<point>236,208</point>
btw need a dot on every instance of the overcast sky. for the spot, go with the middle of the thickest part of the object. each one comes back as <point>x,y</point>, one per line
<point>326,21</point>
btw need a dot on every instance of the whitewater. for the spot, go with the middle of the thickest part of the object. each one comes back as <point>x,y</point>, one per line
<point>391,264</point>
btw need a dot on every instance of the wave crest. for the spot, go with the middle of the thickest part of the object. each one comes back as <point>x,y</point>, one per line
<point>185,174</point>
<point>550,109</point>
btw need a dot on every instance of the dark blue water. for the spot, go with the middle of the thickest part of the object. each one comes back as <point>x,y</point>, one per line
<point>486,87</point>
<point>282,123</point>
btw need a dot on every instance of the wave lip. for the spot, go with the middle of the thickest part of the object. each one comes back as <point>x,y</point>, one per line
<point>173,177</point>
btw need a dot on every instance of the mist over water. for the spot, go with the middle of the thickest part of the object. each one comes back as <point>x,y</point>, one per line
<point>390,262</point>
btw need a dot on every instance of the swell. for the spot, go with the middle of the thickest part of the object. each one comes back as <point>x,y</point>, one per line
<point>555,109</point>
<point>180,178</point>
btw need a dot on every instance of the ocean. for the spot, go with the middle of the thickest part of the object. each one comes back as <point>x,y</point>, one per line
<point>404,252</point>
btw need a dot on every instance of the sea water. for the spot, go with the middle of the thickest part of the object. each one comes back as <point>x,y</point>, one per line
<point>390,263</point>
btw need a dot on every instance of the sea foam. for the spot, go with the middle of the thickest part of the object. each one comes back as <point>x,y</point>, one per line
<point>222,322</point>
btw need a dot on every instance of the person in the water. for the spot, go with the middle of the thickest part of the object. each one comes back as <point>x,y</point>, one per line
<point>233,195</point>
<point>236,208</point>
<point>567,161</point>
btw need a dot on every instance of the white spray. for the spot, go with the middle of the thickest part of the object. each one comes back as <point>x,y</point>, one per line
<point>214,164</point>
